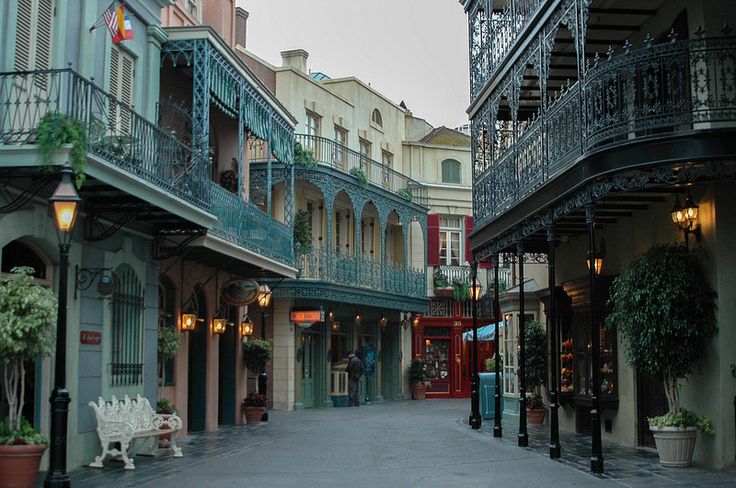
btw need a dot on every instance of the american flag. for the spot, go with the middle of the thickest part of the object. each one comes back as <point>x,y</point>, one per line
<point>111,21</point>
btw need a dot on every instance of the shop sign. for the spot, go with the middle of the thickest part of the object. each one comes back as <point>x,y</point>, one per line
<point>305,318</point>
<point>240,292</point>
<point>90,337</point>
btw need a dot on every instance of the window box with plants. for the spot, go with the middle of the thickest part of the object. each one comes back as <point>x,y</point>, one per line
<point>27,320</point>
<point>440,284</point>
<point>418,378</point>
<point>664,307</point>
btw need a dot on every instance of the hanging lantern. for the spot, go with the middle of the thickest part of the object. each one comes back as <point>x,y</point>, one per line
<point>335,326</point>
<point>188,321</point>
<point>246,327</point>
<point>357,319</point>
<point>383,321</point>
<point>264,296</point>
<point>219,325</point>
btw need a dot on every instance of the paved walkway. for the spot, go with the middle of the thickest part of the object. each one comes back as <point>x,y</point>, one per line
<point>395,444</point>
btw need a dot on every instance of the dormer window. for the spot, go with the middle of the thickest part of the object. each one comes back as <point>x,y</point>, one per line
<point>376,118</point>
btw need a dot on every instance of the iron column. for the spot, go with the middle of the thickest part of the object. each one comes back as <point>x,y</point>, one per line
<point>523,435</point>
<point>553,334</point>
<point>596,458</point>
<point>497,429</point>
<point>475,419</point>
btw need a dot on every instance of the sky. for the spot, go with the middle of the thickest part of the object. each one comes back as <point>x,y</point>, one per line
<point>410,50</point>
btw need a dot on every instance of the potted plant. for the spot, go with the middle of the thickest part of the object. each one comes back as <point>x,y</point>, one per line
<point>253,406</point>
<point>535,370</point>
<point>665,309</point>
<point>27,320</point>
<point>304,157</point>
<point>169,341</point>
<point>460,290</point>
<point>303,230</point>
<point>55,130</point>
<point>360,175</point>
<point>229,178</point>
<point>405,193</point>
<point>418,378</point>
<point>256,354</point>
<point>165,407</point>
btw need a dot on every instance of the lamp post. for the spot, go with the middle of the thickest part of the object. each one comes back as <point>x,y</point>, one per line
<point>264,300</point>
<point>497,429</point>
<point>64,205</point>
<point>475,418</point>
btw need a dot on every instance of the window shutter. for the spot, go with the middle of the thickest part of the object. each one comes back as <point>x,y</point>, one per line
<point>42,48</point>
<point>468,231</point>
<point>433,240</point>
<point>126,90</point>
<point>23,28</point>
<point>114,87</point>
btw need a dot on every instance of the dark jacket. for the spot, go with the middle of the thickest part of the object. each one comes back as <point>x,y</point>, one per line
<point>355,368</point>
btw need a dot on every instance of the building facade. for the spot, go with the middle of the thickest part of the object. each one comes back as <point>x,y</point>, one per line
<point>589,121</point>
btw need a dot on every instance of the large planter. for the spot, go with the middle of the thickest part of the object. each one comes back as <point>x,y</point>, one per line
<point>675,445</point>
<point>19,465</point>
<point>419,391</point>
<point>535,416</point>
<point>253,414</point>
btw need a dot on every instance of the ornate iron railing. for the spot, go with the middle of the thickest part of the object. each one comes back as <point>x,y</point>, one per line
<point>244,224</point>
<point>327,152</point>
<point>339,268</point>
<point>116,133</point>
<point>493,32</point>
<point>455,273</point>
<point>665,88</point>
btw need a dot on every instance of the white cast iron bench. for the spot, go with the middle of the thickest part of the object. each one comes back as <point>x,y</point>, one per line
<point>124,420</point>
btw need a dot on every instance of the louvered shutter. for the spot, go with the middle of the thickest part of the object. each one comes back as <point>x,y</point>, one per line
<point>126,89</point>
<point>42,45</point>
<point>114,86</point>
<point>468,231</point>
<point>23,30</point>
<point>433,240</point>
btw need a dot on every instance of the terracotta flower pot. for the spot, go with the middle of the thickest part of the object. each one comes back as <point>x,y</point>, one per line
<point>19,465</point>
<point>536,416</point>
<point>253,414</point>
<point>419,391</point>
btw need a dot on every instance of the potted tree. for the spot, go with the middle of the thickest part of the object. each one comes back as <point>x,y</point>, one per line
<point>256,354</point>
<point>27,319</point>
<point>665,309</point>
<point>418,378</point>
<point>253,406</point>
<point>535,370</point>
<point>169,341</point>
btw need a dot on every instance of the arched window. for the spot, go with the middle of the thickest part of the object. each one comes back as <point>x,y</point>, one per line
<point>376,118</point>
<point>127,328</point>
<point>17,253</point>
<point>450,171</point>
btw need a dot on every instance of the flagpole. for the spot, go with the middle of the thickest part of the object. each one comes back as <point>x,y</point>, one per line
<point>97,22</point>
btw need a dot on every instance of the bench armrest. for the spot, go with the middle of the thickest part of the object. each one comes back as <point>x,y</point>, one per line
<point>173,421</point>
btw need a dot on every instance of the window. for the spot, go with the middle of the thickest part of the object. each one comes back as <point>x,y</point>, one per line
<point>338,221</point>
<point>122,76</point>
<point>450,171</point>
<point>192,6</point>
<point>365,154</point>
<point>127,328</point>
<point>312,124</point>
<point>376,118</point>
<point>450,241</point>
<point>367,243</point>
<point>387,158</point>
<point>33,37</point>
<point>341,141</point>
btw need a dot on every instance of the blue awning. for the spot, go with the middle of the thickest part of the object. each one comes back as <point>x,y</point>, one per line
<point>485,334</point>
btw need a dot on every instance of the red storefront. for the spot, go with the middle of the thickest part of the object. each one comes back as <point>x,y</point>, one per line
<point>439,340</point>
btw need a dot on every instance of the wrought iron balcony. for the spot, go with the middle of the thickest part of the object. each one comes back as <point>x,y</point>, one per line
<point>338,268</point>
<point>659,90</point>
<point>493,32</point>
<point>455,273</point>
<point>327,152</point>
<point>247,226</point>
<point>116,134</point>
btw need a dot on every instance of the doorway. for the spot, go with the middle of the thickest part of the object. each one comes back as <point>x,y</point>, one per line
<point>309,355</point>
<point>226,370</point>
<point>651,401</point>
<point>197,381</point>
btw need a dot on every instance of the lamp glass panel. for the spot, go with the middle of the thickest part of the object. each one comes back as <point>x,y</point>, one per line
<point>65,214</point>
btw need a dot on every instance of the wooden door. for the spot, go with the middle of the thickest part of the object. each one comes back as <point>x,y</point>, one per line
<point>461,364</point>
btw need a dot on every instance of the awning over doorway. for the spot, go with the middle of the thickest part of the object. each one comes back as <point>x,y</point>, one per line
<point>485,333</point>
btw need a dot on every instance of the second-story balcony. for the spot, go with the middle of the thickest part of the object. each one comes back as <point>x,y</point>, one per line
<point>124,150</point>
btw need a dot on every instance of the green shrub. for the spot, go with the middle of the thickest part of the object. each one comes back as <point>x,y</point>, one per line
<point>256,353</point>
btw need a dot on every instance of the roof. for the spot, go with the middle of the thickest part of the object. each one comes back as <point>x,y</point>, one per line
<point>319,76</point>
<point>446,137</point>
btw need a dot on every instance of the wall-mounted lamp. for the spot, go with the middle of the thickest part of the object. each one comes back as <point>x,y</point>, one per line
<point>405,317</point>
<point>475,289</point>
<point>246,327</point>
<point>357,319</point>
<point>219,325</point>
<point>383,321</point>
<point>415,320</point>
<point>335,326</point>
<point>188,321</point>
<point>685,217</point>
<point>264,296</point>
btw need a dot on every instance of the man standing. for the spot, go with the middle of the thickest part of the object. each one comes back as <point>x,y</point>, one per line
<point>355,371</point>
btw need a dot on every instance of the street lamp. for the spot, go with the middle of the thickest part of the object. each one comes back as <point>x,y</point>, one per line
<point>264,300</point>
<point>475,419</point>
<point>685,217</point>
<point>65,206</point>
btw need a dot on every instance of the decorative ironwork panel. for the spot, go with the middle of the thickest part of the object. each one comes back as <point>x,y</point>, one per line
<point>126,366</point>
<point>137,147</point>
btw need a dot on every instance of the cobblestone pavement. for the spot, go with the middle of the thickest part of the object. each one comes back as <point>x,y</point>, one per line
<point>394,444</point>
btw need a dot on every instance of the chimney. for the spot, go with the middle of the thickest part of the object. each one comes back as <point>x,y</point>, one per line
<point>296,58</point>
<point>241,21</point>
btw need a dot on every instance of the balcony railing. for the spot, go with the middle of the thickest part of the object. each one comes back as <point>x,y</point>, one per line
<point>491,41</point>
<point>244,224</point>
<point>318,264</point>
<point>329,153</point>
<point>115,132</point>
<point>669,88</point>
